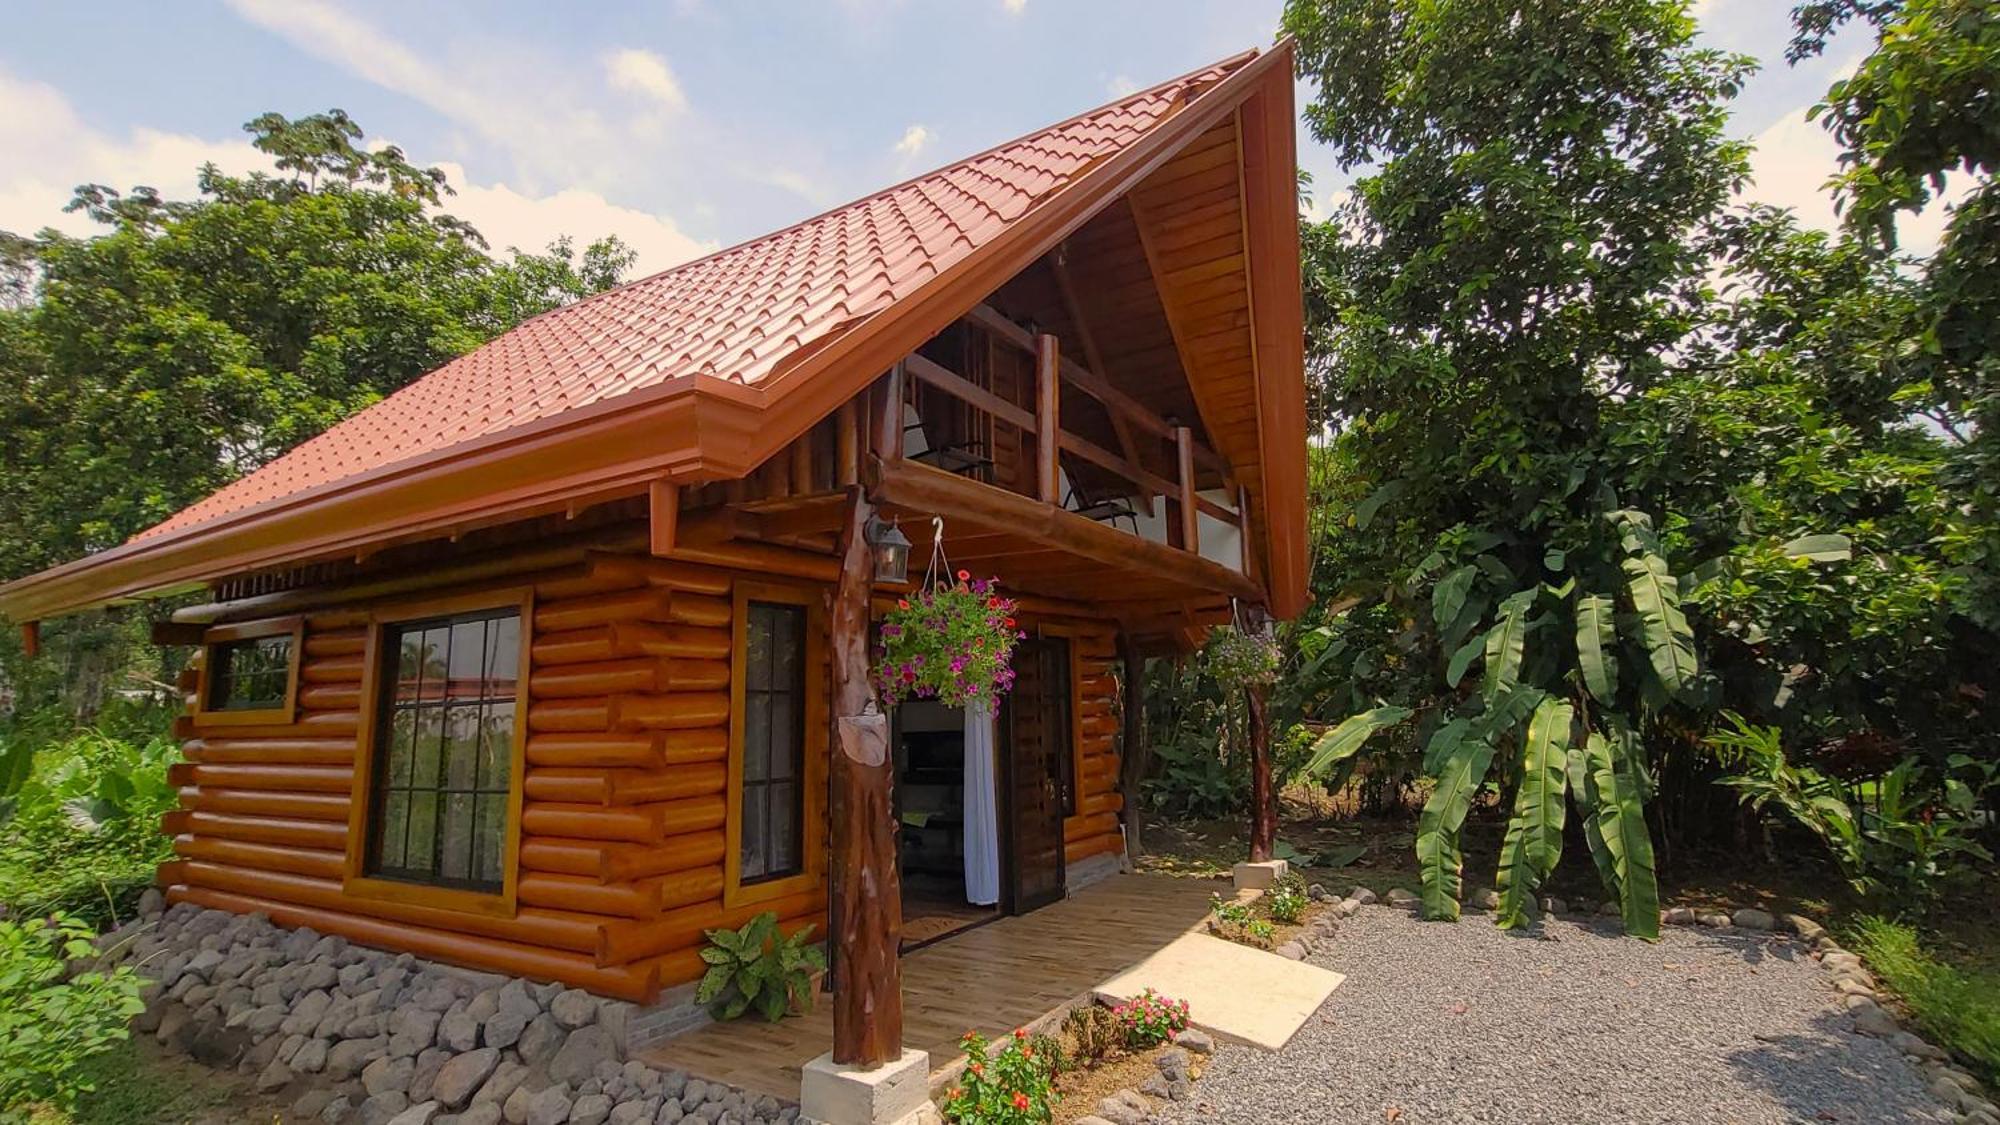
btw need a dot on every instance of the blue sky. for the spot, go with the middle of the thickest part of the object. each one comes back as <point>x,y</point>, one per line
<point>680,125</point>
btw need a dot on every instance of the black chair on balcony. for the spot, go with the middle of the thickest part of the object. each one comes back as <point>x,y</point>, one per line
<point>1103,509</point>
<point>966,458</point>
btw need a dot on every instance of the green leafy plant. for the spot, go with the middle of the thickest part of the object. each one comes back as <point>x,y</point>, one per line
<point>50,1022</point>
<point>1906,844</point>
<point>1093,1032</point>
<point>1229,910</point>
<point>758,967</point>
<point>1051,1049</point>
<point>1285,903</point>
<point>1012,1085</point>
<point>81,830</point>
<point>1959,1009</point>
<point>952,642</point>
<point>1150,1019</point>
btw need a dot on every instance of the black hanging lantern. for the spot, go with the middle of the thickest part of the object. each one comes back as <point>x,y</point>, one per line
<point>891,549</point>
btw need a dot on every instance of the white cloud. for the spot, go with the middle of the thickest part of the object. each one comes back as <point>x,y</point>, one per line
<point>1014,7</point>
<point>52,149</point>
<point>794,181</point>
<point>1120,85</point>
<point>1794,159</point>
<point>508,218</point>
<point>643,72</point>
<point>915,140</point>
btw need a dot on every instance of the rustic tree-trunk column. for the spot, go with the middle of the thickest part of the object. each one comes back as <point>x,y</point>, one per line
<point>1263,804</point>
<point>1136,755</point>
<point>1048,419</point>
<point>867,891</point>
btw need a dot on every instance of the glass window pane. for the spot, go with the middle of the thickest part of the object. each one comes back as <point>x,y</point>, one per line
<point>490,848</point>
<point>455,848</point>
<point>466,657</point>
<point>784,828</point>
<point>421,853</point>
<point>784,736</point>
<point>503,656</point>
<point>461,746</point>
<point>753,864</point>
<point>402,733</point>
<point>391,823</point>
<point>756,738</point>
<point>428,734</point>
<point>757,649</point>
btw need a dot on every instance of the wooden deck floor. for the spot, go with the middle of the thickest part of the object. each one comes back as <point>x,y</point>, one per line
<point>991,979</point>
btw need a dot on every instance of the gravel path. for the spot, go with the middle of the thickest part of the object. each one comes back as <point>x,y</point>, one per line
<point>1468,1022</point>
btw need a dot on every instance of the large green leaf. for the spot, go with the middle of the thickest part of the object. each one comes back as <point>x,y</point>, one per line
<point>1596,637</point>
<point>1443,742</point>
<point>1619,822</point>
<point>1364,512</point>
<point>1449,594</point>
<point>1439,859</point>
<point>1341,743</point>
<point>1833,547</point>
<point>1534,835</point>
<point>1461,660</point>
<point>1506,644</point>
<point>1583,791</point>
<point>1663,628</point>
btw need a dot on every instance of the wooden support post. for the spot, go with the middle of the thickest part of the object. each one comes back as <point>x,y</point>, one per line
<point>1263,800</point>
<point>1135,754</point>
<point>1190,512</point>
<point>1048,418</point>
<point>663,501</point>
<point>889,417</point>
<point>867,891</point>
<point>31,639</point>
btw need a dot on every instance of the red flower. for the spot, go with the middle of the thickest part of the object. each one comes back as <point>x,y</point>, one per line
<point>1020,1033</point>
<point>1020,1100</point>
<point>1009,623</point>
<point>977,1068</point>
<point>902,603</point>
<point>963,575</point>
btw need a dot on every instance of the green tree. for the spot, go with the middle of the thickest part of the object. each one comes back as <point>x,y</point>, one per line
<point>1611,452</point>
<point>194,340</point>
<point>142,368</point>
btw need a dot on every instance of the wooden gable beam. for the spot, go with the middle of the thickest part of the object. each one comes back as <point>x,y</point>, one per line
<point>1121,426</point>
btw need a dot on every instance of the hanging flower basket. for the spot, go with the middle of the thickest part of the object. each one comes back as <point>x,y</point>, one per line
<point>949,641</point>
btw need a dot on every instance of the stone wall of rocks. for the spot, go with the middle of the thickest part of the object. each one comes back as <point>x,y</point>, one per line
<point>350,1034</point>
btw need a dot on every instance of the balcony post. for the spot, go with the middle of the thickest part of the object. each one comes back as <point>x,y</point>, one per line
<point>1190,521</point>
<point>1048,420</point>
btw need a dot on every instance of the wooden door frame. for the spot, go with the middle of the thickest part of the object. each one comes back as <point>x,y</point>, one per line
<point>1004,781</point>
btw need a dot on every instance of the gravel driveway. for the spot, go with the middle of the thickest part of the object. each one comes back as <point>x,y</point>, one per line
<point>1468,1022</point>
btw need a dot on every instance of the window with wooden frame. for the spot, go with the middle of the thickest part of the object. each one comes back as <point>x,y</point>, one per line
<point>250,674</point>
<point>438,799</point>
<point>775,835</point>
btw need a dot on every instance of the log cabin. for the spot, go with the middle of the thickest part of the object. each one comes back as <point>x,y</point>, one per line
<point>557,657</point>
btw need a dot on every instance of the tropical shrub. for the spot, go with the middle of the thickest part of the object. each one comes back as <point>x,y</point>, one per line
<point>952,642</point>
<point>50,1025</point>
<point>1229,910</point>
<point>1013,1085</point>
<point>1957,1009</point>
<point>80,831</point>
<point>758,967</point>
<point>1150,1019</point>
<point>1912,839</point>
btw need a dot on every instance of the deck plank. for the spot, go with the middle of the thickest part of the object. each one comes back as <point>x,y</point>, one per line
<point>991,979</point>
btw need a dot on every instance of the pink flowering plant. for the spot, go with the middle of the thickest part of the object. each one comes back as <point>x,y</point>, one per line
<point>1150,1019</point>
<point>952,642</point>
<point>1014,1085</point>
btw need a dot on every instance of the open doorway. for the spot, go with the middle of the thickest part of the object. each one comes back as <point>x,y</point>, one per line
<point>945,807</point>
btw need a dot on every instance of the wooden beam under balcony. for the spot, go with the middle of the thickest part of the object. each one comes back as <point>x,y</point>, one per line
<point>915,486</point>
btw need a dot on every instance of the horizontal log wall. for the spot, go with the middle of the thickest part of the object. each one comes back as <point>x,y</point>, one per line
<point>621,850</point>
<point>1094,828</point>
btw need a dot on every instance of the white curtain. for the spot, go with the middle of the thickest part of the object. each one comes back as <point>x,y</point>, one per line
<point>982,819</point>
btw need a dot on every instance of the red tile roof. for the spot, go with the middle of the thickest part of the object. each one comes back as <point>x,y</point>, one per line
<point>736,315</point>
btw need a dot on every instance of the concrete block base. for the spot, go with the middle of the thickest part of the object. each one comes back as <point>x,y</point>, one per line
<point>895,1093</point>
<point>1257,876</point>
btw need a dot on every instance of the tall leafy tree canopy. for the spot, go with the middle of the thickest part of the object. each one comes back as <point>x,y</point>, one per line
<point>1612,453</point>
<point>196,339</point>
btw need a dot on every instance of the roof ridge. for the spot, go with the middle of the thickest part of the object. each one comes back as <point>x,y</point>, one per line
<point>1230,63</point>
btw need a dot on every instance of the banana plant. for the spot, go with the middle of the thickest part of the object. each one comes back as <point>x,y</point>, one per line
<point>1572,657</point>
